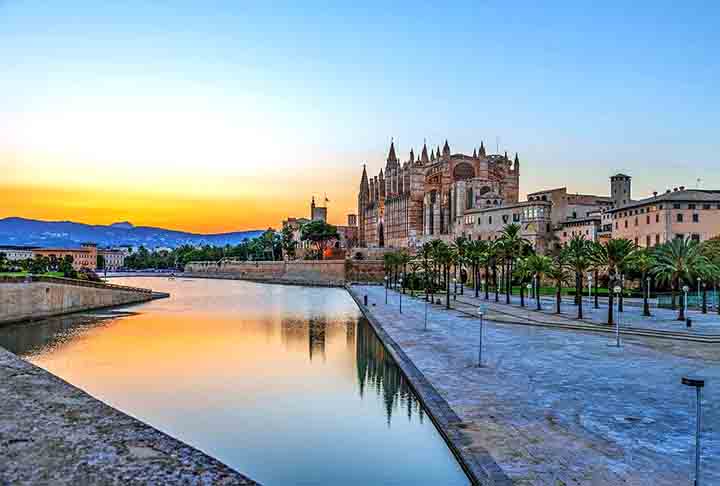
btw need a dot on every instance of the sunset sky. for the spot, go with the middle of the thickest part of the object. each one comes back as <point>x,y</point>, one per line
<point>226,116</point>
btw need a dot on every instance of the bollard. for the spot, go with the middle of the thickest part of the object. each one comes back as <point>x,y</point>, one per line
<point>365,300</point>
<point>688,323</point>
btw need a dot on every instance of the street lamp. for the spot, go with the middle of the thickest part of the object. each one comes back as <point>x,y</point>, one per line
<point>698,383</point>
<point>529,286</point>
<point>699,281</point>
<point>481,313</point>
<point>618,293</point>
<point>400,294</point>
<point>647,299</point>
<point>426,307</point>
<point>386,289</point>
<point>685,290</point>
<point>589,286</point>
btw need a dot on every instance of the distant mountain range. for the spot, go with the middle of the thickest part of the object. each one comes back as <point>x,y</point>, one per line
<point>21,231</point>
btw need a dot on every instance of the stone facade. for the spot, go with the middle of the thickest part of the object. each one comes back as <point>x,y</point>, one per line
<point>83,257</point>
<point>427,197</point>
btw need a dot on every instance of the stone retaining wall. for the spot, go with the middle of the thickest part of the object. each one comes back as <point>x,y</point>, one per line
<point>310,271</point>
<point>23,298</point>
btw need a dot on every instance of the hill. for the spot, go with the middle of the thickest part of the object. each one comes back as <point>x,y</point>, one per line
<point>22,231</point>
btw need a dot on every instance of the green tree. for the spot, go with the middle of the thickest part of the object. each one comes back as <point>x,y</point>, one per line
<point>642,261</point>
<point>613,256</point>
<point>539,266</point>
<point>559,273</point>
<point>66,267</point>
<point>513,245</point>
<point>320,234</point>
<point>523,273</point>
<point>3,262</point>
<point>289,244</point>
<point>678,261</point>
<point>577,252</point>
<point>101,262</point>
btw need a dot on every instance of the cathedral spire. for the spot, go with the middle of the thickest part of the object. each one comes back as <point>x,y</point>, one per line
<point>474,154</point>
<point>412,156</point>
<point>506,157</point>
<point>364,187</point>
<point>391,155</point>
<point>424,156</point>
<point>446,149</point>
<point>437,155</point>
<point>482,149</point>
<point>516,166</point>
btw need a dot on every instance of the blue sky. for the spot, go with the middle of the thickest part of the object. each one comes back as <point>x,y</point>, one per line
<point>307,92</point>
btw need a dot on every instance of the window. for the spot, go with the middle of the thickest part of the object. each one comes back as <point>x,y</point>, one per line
<point>676,206</point>
<point>657,218</point>
<point>695,237</point>
<point>636,221</point>
<point>616,225</point>
<point>636,241</point>
<point>706,206</point>
<point>564,235</point>
<point>489,219</point>
<point>696,218</point>
<point>574,215</point>
<point>679,217</point>
<point>647,240</point>
<point>679,236</point>
<point>691,206</point>
<point>657,239</point>
<point>647,219</point>
<point>626,223</point>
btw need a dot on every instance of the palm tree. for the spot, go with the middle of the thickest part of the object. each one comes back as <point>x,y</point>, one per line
<point>475,255</point>
<point>539,266</point>
<point>523,273</point>
<point>677,261</point>
<point>445,258</point>
<point>513,245</point>
<point>642,261</point>
<point>707,272</point>
<point>560,274</point>
<point>612,256</point>
<point>402,259</point>
<point>577,251</point>
<point>426,256</point>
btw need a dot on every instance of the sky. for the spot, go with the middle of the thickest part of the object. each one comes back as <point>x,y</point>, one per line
<point>222,116</point>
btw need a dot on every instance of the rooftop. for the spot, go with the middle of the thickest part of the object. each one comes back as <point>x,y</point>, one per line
<point>687,195</point>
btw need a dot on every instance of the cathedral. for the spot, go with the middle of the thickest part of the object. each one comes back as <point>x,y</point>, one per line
<point>427,197</point>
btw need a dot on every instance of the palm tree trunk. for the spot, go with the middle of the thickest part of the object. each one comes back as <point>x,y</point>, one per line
<point>447,282</point>
<point>476,276</point>
<point>558,297</point>
<point>611,298</point>
<point>646,290</point>
<point>578,292</point>
<point>597,285</point>
<point>495,283</point>
<point>508,282</point>
<point>522,295</point>
<point>536,288</point>
<point>487,283</point>
<point>704,300</point>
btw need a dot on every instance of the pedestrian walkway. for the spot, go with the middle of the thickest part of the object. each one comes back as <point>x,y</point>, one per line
<point>556,407</point>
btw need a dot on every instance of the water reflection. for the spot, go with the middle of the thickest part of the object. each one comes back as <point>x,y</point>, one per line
<point>287,384</point>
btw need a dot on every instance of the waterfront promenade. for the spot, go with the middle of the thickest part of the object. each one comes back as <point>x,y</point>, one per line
<point>559,406</point>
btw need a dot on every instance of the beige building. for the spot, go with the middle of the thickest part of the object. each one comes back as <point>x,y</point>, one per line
<point>114,258</point>
<point>677,213</point>
<point>17,253</point>
<point>567,206</point>
<point>588,227</point>
<point>534,218</point>
<point>83,257</point>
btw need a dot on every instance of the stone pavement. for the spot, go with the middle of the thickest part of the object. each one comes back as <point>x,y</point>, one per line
<point>558,407</point>
<point>54,433</point>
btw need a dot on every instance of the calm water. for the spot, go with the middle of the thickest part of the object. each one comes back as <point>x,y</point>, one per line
<point>286,384</point>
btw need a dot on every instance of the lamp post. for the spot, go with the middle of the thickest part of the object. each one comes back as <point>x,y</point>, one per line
<point>647,298</point>
<point>426,307</point>
<point>400,294</point>
<point>483,282</point>
<point>454,288</point>
<point>621,306</point>
<point>685,290</point>
<point>704,298</point>
<point>590,286</point>
<point>481,313</point>
<point>699,281</point>
<point>618,293</point>
<point>698,383</point>
<point>386,289</point>
<point>529,286</point>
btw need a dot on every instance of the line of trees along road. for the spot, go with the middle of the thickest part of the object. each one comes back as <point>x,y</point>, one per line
<point>500,265</point>
<point>270,246</point>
